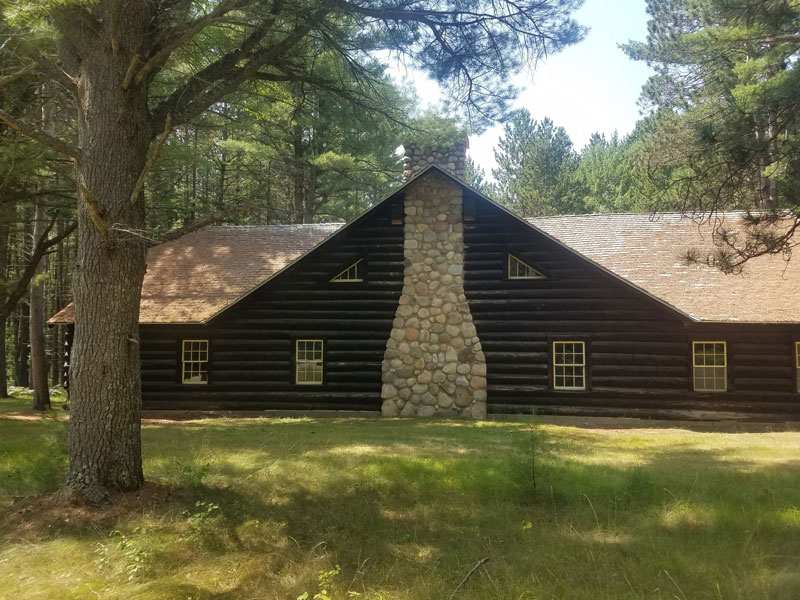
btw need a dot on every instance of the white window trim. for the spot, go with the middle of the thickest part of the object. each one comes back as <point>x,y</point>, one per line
<point>723,366</point>
<point>339,279</point>
<point>582,365</point>
<point>184,362</point>
<point>298,362</point>
<point>511,258</point>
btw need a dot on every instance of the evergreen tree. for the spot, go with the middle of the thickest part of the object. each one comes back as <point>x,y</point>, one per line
<point>727,75</point>
<point>536,163</point>
<point>139,68</point>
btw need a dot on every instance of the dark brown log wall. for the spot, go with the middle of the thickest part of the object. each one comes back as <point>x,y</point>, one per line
<point>252,344</point>
<point>638,351</point>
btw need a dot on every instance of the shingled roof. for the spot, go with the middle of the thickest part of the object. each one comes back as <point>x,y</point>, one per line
<point>649,252</point>
<point>198,276</point>
<point>195,277</point>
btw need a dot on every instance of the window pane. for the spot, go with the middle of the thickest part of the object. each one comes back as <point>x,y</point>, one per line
<point>195,361</point>
<point>309,362</point>
<point>517,269</point>
<point>569,365</point>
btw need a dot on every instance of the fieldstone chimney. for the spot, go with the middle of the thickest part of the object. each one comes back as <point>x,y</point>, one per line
<point>450,157</point>
<point>433,364</point>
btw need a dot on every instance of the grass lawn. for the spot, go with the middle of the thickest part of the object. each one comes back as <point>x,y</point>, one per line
<point>277,508</point>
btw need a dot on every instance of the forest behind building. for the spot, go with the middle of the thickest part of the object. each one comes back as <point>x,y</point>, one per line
<point>718,131</point>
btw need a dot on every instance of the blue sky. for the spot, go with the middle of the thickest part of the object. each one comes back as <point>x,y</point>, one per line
<point>591,86</point>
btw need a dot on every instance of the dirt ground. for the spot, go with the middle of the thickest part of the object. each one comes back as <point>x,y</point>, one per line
<point>705,422</point>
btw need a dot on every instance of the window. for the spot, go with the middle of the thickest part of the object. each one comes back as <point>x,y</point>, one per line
<point>195,361</point>
<point>308,362</point>
<point>354,272</point>
<point>569,365</point>
<point>520,270</point>
<point>797,362</point>
<point>710,366</point>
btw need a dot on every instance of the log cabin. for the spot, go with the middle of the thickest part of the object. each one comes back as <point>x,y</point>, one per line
<point>439,302</point>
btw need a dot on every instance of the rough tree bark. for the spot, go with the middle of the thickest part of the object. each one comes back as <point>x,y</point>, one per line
<point>114,134</point>
<point>41,390</point>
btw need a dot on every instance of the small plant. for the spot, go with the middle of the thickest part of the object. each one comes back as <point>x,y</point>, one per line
<point>324,581</point>
<point>189,475</point>
<point>137,559</point>
<point>204,524</point>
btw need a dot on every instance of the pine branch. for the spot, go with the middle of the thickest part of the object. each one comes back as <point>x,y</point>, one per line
<point>228,72</point>
<point>140,182</point>
<point>48,140</point>
<point>177,37</point>
<point>46,66</point>
<point>4,81</point>
<point>39,251</point>
<point>174,234</point>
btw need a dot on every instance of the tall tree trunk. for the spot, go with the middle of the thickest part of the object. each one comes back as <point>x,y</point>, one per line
<point>114,133</point>
<point>21,371</point>
<point>309,200</point>
<point>299,174</point>
<point>59,301</point>
<point>41,390</point>
<point>222,174</point>
<point>39,367</point>
<point>3,277</point>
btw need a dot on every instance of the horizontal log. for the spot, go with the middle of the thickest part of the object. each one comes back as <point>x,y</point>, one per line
<point>155,365</point>
<point>341,324</point>
<point>748,371</point>
<point>580,327</point>
<point>764,384</point>
<point>515,357</point>
<point>269,395</point>
<point>579,298</point>
<point>758,361</point>
<point>648,382</point>
<point>290,312</point>
<point>223,365</point>
<point>318,283</point>
<point>520,313</point>
<point>681,402</point>
<point>333,301</point>
<point>639,360</point>
<point>302,408</point>
<point>631,371</point>
<point>655,413</point>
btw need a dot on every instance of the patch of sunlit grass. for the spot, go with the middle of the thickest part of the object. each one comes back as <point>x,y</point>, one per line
<point>402,509</point>
<point>686,515</point>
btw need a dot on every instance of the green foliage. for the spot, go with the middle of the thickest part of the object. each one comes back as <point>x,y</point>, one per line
<point>290,154</point>
<point>727,75</point>
<point>137,558</point>
<point>205,525</point>
<point>536,165</point>
<point>435,128</point>
<point>188,475</point>
<point>325,579</point>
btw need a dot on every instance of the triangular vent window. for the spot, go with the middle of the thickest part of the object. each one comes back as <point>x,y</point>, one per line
<point>518,269</point>
<point>353,273</point>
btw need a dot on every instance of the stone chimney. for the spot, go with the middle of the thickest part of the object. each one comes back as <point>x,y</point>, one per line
<point>433,364</point>
<point>452,158</point>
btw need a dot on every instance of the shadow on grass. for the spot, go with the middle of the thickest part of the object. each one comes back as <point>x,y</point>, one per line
<point>406,508</point>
